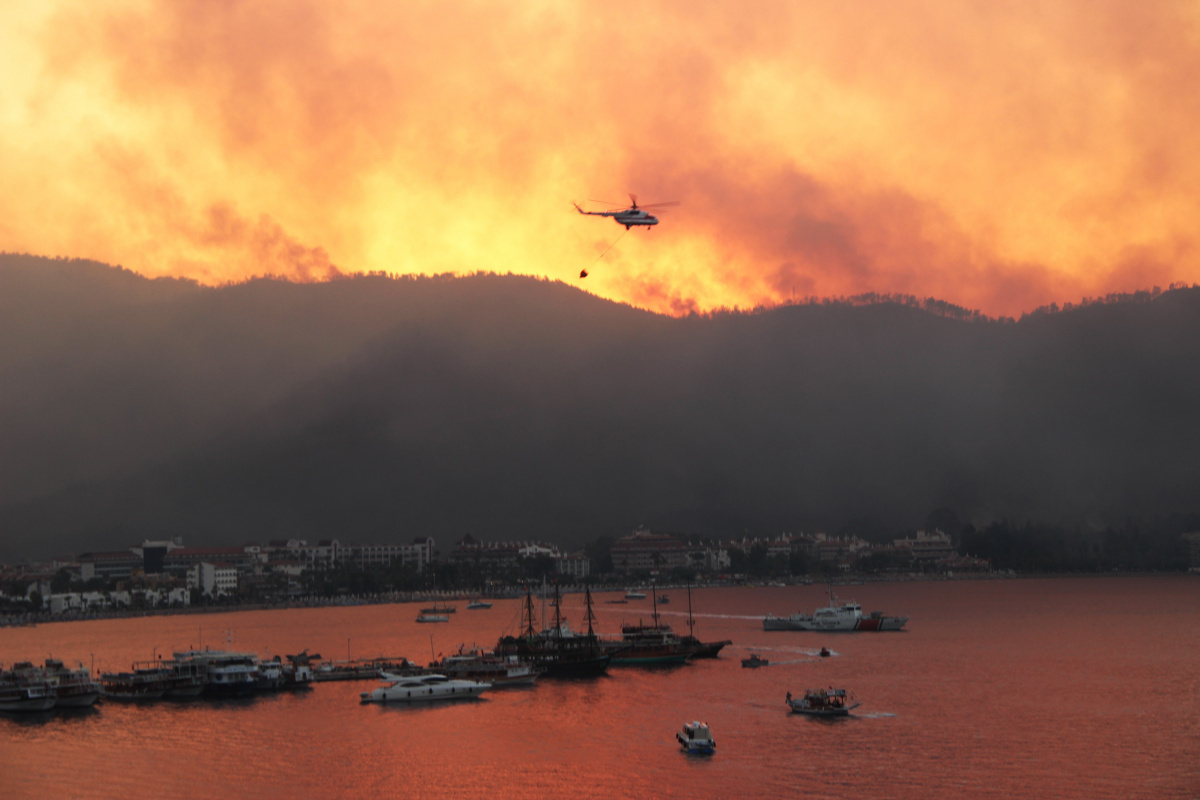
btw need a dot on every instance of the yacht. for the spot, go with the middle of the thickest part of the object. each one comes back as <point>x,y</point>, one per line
<point>422,688</point>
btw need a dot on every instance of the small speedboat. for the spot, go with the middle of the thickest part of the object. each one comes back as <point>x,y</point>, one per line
<point>697,738</point>
<point>822,703</point>
<point>423,617</point>
<point>755,661</point>
<point>422,688</point>
<point>824,652</point>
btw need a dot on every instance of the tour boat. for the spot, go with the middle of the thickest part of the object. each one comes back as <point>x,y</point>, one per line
<point>562,652</point>
<point>24,687</point>
<point>487,667</point>
<point>755,661</point>
<point>74,688</point>
<point>835,618</point>
<point>143,683</point>
<point>17,695</point>
<point>230,674</point>
<point>696,738</point>
<point>422,688</point>
<point>649,645</point>
<point>822,703</point>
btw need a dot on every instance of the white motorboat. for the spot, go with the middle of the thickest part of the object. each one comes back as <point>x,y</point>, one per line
<point>423,617</point>
<point>478,604</point>
<point>423,688</point>
<point>697,738</point>
<point>634,594</point>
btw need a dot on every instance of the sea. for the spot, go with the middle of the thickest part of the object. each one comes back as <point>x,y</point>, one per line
<point>1052,687</point>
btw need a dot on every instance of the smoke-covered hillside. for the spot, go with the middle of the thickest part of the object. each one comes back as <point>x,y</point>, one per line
<point>377,409</point>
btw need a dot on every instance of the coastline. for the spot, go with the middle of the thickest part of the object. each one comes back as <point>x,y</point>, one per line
<point>403,598</point>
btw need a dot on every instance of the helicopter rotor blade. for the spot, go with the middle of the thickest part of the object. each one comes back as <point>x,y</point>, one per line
<point>605,202</point>
<point>661,205</point>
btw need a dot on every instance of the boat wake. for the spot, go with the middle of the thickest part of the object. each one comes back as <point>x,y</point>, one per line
<point>874,715</point>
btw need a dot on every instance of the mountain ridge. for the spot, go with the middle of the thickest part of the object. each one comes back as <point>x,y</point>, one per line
<point>378,409</point>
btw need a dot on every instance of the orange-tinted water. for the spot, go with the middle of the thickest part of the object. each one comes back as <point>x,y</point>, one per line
<point>1083,688</point>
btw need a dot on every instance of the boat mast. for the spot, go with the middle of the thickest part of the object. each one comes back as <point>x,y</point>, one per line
<point>557,612</point>
<point>590,616</point>
<point>528,612</point>
<point>691,622</point>
<point>654,602</point>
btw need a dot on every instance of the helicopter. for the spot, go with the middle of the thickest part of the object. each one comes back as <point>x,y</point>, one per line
<point>634,215</point>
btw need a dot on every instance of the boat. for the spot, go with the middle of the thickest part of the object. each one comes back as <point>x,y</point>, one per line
<point>633,594</point>
<point>364,669</point>
<point>230,674</point>
<point>835,618</point>
<point>696,738</point>
<point>25,688</point>
<point>663,599</point>
<point>561,651</point>
<point>648,645</point>
<point>74,688</point>
<point>439,610</point>
<point>477,604</point>
<point>422,688</point>
<point>140,683</point>
<point>184,679</point>
<point>822,703</point>
<point>700,649</point>
<point>298,672</point>
<point>621,602</point>
<point>755,661</point>
<point>824,652</point>
<point>487,667</point>
<point>426,617</point>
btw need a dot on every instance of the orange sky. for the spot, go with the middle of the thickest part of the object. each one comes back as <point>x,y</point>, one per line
<point>996,155</point>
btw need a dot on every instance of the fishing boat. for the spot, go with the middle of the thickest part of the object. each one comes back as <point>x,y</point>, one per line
<point>422,688</point>
<point>700,649</point>
<point>833,618</point>
<point>697,739</point>
<point>487,667</point>
<point>822,703</point>
<point>754,661</point>
<point>561,651</point>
